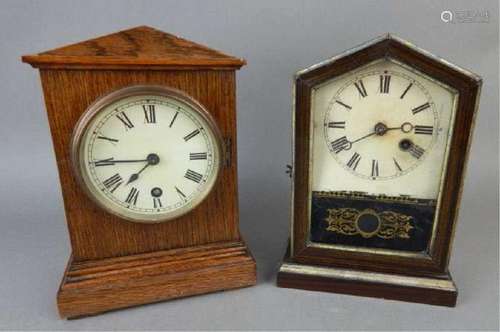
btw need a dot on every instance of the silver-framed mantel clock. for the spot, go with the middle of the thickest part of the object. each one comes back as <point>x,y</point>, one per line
<point>381,138</point>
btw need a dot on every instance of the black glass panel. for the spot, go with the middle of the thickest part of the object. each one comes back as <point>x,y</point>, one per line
<point>359,220</point>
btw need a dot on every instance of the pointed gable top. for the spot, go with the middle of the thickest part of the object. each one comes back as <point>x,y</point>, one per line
<point>140,47</point>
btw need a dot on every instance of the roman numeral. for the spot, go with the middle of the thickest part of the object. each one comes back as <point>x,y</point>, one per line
<point>339,124</point>
<point>108,139</point>
<point>424,130</point>
<point>181,194</point>
<point>345,105</point>
<point>340,144</point>
<point>173,119</point>
<point>397,165</point>
<point>132,196</point>
<point>157,203</point>
<point>374,168</point>
<point>361,88</point>
<point>149,113</point>
<point>191,135</point>
<point>385,81</point>
<point>198,156</point>
<point>193,176</point>
<point>354,161</point>
<point>406,90</point>
<point>113,182</point>
<point>420,108</point>
<point>104,162</point>
<point>416,151</point>
<point>125,120</point>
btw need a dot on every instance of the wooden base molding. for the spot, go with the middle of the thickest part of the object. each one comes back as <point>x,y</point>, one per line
<point>92,287</point>
<point>428,290</point>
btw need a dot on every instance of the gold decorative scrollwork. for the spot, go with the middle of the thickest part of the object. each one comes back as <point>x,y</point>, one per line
<point>342,221</point>
<point>395,225</point>
<point>385,224</point>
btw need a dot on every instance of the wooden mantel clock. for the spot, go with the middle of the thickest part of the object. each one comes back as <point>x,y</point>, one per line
<point>144,129</point>
<point>381,138</point>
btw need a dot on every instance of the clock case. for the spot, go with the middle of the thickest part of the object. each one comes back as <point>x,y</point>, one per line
<point>392,274</point>
<point>117,263</point>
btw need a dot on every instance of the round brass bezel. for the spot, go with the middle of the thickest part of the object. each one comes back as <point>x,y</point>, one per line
<point>131,91</point>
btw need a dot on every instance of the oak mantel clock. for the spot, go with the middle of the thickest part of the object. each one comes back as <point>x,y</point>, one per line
<point>144,130</point>
<point>381,138</point>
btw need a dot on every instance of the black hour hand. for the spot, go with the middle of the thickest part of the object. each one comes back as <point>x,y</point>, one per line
<point>152,159</point>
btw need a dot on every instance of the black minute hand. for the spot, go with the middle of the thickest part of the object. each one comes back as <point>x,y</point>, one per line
<point>111,160</point>
<point>361,138</point>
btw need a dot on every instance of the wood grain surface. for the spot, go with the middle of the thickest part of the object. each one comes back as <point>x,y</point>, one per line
<point>141,47</point>
<point>96,286</point>
<point>97,234</point>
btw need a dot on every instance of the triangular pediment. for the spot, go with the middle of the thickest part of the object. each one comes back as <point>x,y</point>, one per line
<point>141,46</point>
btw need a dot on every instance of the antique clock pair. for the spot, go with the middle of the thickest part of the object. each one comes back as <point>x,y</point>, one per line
<point>144,130</point>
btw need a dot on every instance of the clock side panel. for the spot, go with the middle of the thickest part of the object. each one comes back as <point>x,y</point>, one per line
<point>95,233</point>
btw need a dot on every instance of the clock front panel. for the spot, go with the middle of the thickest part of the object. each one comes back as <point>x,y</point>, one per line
<point>380,138</point>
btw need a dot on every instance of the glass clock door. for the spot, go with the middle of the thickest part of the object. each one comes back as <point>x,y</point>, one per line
<point>380,137</point>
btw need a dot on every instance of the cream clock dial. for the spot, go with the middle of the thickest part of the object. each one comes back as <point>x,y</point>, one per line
<point>391,130</point>
<point>147,153</point>
<point>385,128</point>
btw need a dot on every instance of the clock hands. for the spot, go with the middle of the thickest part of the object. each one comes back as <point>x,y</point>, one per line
<point>405,144</point>
<point>405,128</point>
<point>362,138</point>
<point>112,161</point>
<point>135,176</point>
<point>152,159</point>
<point>380,129</point>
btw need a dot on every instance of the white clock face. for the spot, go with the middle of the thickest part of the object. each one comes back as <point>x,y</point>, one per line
<point>147,154</point>
<point>382,129</point>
